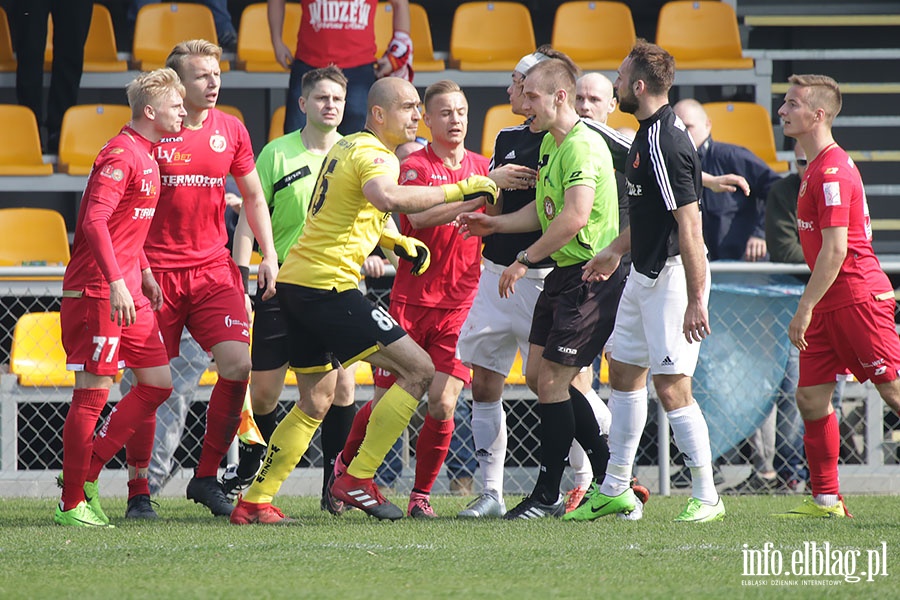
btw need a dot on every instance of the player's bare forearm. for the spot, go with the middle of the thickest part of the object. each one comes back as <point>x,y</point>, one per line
<point>400,19</point>
<point>605,262</point>
<point>729,182</point>
<point>693,258</point>
<point>523,220</point>
<point>827,266</point>
<point>559,233</point>
<point>242,247</point>
<point>443,213</point>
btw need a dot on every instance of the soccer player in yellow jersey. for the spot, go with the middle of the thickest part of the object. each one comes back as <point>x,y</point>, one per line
<point>329,320</point>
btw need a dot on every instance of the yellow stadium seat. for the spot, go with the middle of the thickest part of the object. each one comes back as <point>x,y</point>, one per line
<point>490,36</point>
<point>20,152</point>
<point>746,124</point>
<point>85,129</point>
<point>254,46</point>
<point>701,35</point>
<point>37,355</point>
<point>603,375</point>
<point>617,119</point>
<point>7,58</point>
<point>496,118</point>
<point>276,125</point>
<point>517,373</point>
<point>33,235</point>
<point>100,51</point>
<point>423,46</point>
<point>160,26</point>
<point>231,110</point>
<point>364,374</point>
<point>596,35</point>
<point>422,131</point>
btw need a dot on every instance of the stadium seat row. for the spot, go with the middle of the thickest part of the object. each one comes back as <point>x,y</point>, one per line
<point>87,127</point>
<point>701,34</point>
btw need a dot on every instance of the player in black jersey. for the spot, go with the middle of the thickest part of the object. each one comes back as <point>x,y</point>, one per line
<point>662,316</point>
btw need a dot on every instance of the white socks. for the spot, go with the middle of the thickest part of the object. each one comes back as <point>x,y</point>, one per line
<point>629,416</point>
<point>578,459</point>
<point>489,433</point>
<point>692,438</point>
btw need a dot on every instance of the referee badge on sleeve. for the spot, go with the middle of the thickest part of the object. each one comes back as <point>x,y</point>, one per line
<point>549,208</point>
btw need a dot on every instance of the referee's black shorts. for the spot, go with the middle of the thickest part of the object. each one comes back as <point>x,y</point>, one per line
<point>573,319</point>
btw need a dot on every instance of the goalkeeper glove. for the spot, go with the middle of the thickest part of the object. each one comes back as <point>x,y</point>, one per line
<point>407,248</point>
<point>399,53</point>
<point>472,187</point>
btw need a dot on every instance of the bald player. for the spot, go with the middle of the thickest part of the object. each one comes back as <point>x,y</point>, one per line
<point>330,322</point>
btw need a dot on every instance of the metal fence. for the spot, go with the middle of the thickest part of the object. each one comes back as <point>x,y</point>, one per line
<point>743,365</point>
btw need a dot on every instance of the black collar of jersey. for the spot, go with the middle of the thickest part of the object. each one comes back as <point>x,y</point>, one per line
<point>657,115</point>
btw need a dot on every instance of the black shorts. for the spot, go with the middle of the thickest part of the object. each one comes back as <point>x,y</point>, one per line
<point>269,346</point>
<point>573,319</point>
<point>326,328</point>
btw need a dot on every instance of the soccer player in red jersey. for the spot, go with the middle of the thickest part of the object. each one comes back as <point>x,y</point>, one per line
<point>845,319</point>
<point>109,293</point>
<point>432,306</point>
<point>201,285</point>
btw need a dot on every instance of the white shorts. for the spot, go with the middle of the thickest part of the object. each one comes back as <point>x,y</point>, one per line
<point>650,322</point>
<point>497,326</point>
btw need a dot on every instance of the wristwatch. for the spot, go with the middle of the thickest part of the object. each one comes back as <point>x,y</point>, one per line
<point>522,257</point>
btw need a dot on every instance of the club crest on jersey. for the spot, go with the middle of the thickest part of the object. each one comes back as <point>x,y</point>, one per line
<point>549,208</point>
<point>112,173</point>
<point>378,160</point>
<point>637,160</point>
<point>803,188</point>
<point>217,142</point>
<point>411,175</point>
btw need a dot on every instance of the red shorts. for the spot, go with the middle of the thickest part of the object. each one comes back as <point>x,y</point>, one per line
<point>860,339</point>
<point>208,300</point>
<point>437,331</point>
<point>95,344</point>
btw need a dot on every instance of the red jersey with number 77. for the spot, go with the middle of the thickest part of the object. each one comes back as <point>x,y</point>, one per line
<point>189,228</point>
<point>116,210</point>
<point>832,195</point>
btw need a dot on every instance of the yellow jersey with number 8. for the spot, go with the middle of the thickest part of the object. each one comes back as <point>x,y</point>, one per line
<point>342,227</point>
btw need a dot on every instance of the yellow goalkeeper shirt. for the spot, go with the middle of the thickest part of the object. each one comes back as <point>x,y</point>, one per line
<point>342,227</point>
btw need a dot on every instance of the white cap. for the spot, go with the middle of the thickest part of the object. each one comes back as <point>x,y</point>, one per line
<point>529,60</point>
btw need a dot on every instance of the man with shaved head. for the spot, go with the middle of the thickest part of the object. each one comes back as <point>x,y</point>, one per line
<point>594,98</point>
<point>331,323</point>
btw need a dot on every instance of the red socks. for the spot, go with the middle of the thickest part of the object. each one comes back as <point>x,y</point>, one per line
<point>431,450</point>
<point>822,441</point>
<point>222,419</point>
<point>78,434</point>
<point>136,407</point>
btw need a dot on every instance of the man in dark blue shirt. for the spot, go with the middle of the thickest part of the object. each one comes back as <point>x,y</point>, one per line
<point>734,225</point>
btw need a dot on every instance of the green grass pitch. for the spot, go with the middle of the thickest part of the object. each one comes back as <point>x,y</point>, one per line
<point>190,554</point>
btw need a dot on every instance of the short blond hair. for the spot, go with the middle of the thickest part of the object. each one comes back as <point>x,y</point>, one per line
<point>440,88</point>
<point>824,93</point>
<point>188,48</point>
<point>149,88</point>
<point>554,74</point>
